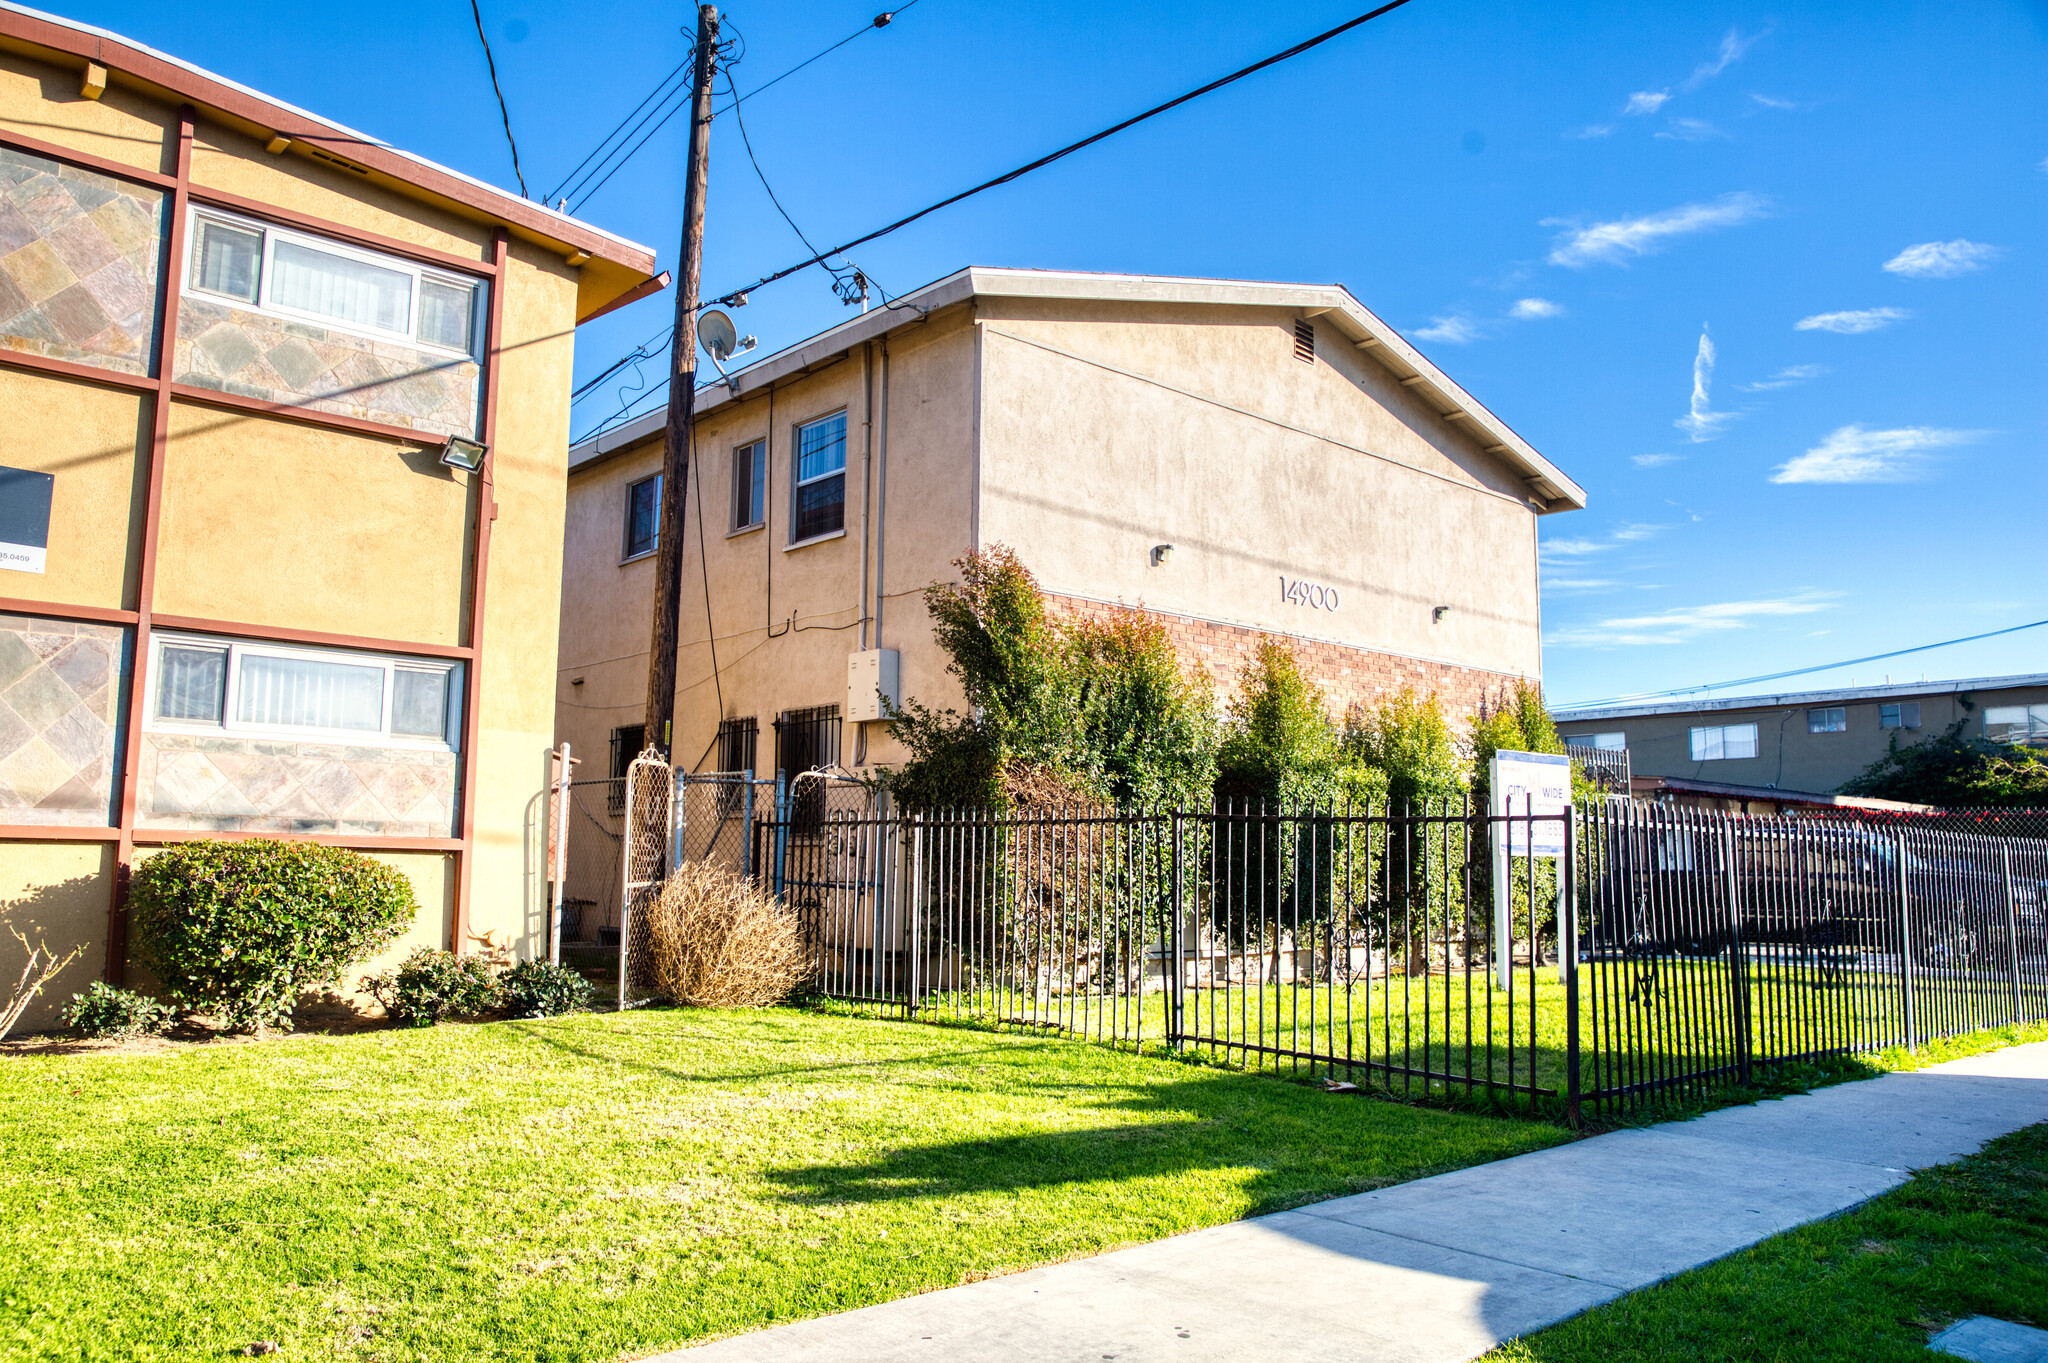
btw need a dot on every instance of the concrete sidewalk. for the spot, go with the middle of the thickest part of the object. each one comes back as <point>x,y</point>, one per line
<point>1445,1268</point>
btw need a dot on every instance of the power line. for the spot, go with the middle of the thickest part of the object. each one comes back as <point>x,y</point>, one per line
<point>818,258</point>
<point>503,113</point>
<point>667,103</point>
<point>1796,672</point>
<point>661,89</point>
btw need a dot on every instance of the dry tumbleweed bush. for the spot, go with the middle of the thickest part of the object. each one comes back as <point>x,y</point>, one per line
<point>715,940</point>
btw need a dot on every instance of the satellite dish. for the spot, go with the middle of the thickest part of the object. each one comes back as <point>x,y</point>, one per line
<point>716,333</point>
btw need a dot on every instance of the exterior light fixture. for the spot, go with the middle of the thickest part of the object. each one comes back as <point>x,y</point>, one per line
<point>466,455</point>
<point>1436,617</point>
<point>1162,554</point>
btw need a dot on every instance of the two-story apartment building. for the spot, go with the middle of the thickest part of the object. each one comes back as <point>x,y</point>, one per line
<point>1238,458</point>
<point>282,420</point>
<point>1807,740</point>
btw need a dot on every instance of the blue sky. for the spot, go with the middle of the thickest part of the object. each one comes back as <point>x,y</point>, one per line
<point>1768,282</point>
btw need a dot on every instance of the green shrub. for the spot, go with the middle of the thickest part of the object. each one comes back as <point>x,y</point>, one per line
<point>430,985</point>
<point>542,989</point>
<point>105,1011</point>
<point>241,930</point>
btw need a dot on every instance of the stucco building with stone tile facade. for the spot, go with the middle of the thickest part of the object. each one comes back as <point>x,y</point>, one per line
<point>1240,459</point>
<point>281,491</point>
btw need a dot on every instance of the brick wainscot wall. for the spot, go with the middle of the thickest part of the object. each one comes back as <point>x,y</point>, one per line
<point>1347,675</point>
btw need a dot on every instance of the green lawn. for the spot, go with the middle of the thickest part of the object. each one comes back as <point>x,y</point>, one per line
<point>1962,1240</point>
<point>599,1186</point>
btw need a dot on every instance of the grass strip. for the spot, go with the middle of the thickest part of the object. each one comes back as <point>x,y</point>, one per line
<point>1870,1286</point>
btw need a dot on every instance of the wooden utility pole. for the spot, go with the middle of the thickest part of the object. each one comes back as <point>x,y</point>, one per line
<point>682,404</point>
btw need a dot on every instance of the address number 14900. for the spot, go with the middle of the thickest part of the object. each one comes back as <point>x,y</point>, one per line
<point>1314,595</point>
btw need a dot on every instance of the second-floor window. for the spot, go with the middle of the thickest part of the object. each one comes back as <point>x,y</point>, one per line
<point>818,503</point>
<point>292,274</point>
<point>1616,742</point>
<point>1831,719</point>
<point>1904,715</point>
<point>643,517</point>
<point>1723,741</point>
<point>2016,723</point>
<point>749,485</point>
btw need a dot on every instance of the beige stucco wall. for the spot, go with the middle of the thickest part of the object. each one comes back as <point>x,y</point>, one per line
<point>88,437</point>
<point>756,583</point>
<point>1198,427</point>
<point>270,522</point>
<point>56,894</point>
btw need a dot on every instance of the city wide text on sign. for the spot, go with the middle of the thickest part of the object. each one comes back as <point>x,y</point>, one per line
<point>1537,783</point>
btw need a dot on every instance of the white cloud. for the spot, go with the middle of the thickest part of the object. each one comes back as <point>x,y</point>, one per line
<point>1611,243</point>
<point>1685,623</point>
<point>1733,45</point>
<point>1789,377</point>
<point>1531,308</point>
<point>1646,101</point>
<point>1655,461</point>
<point>1573,549</point>
<point>1701,422</point>
<point>1942,259</point>
<point>1852,323</point>
<point>1590,131</point>
<point>1456,329</point>
<point>1770,103</point>
<point>1632,531</point>
<point>1854,454</point>
<point>1691,130</point>
<point>1553,586</point>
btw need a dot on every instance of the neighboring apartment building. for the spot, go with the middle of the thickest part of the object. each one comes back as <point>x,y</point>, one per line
<point>281,493</point>
<point>1810,741</point>
<point>1237,458</point>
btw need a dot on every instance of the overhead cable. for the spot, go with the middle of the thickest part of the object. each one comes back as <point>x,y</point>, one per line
<point>1796,672</point>
<point>819,257</point>
<point>503,113</point>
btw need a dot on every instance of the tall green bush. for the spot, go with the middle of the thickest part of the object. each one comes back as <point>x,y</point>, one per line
<point>1148,735</point>
<point>241,930</point>
<point>1408,737</point>
<point>1953,771</point>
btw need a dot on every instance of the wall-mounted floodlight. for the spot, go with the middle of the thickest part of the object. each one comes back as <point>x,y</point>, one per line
<point>1162,554</point>
<point>466,455</point>
<point>1436,617</point>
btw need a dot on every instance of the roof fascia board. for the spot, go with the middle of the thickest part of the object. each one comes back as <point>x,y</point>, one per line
<point>1799,699</point>
<point>145,68</point>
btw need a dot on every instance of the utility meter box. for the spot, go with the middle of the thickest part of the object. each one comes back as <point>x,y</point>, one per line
<point>871,675</point>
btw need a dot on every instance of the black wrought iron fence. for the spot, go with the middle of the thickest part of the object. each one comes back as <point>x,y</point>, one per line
<point>1660,953</point>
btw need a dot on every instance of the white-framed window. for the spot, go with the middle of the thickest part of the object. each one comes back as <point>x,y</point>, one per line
<point>1721,742</point>
<point>2016,723</point>
<point>1905,715</point>
<point>246,687</point>
<point>1615,742</point>
<point>643,518</point>
<point>750,485</point>
<point>270,269</point>
<point>1829,719</point>
<point>817,501</point>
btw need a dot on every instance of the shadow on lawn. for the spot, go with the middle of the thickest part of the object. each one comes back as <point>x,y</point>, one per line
<point>1281,1135</point>
<point>556,1039</point>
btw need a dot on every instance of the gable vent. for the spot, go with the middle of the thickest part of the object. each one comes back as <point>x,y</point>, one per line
<point>1305,340</point>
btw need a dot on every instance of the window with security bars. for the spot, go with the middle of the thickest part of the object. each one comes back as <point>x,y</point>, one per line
<point>736,742</point>
<point>627,742</point>
<point>806,740</point>
<point>818,503</point>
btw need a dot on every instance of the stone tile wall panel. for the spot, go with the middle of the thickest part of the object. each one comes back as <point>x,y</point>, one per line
<point>227,784</point>
<point>60,691</point>
<point>299,364</point>
<point>79,256</point>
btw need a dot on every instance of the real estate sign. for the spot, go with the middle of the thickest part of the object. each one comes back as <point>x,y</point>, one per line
<point>24,519</point>
<point>1526,784</point>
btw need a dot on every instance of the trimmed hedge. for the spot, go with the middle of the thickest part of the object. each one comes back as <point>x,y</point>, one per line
<point>241,930</point>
